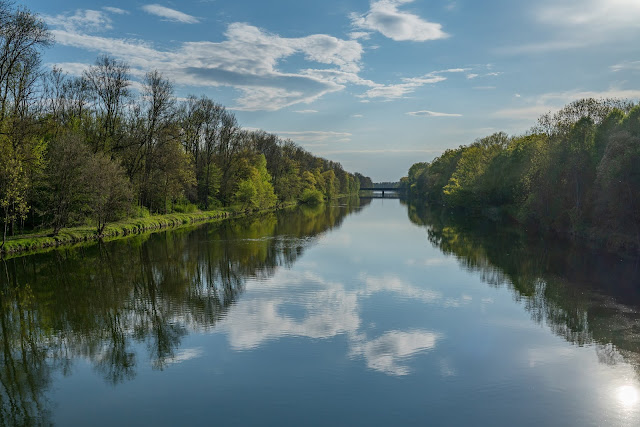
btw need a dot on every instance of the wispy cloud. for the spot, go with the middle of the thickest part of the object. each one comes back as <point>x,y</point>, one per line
<point>360,35</point>
<point>247,60</point>
<point>399,90</point>
<point>315,136</point>
<point>388,352</point>
<point>408,85</point>
<point>553,101</point>
<point>385,151</point>
<point>305,111</point>
<point>426,113</point>
<point>115,10</point>
<point>574,24</point>
<point>170,14</point>
<point>627,65</point>
<point>594,14</point>
<point>385,17</point>
<point>88,21</point>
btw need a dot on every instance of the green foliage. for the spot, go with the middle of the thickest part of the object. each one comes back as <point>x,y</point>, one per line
<point>578,174</point>
<point>246,194</point>
<point>183,206</point>
<point>140,212</point>
<point>311,197</point>
<point>86,148</point>
<point>109,191</point>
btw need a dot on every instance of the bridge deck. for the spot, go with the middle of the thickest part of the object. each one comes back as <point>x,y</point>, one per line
<point>380,189</point>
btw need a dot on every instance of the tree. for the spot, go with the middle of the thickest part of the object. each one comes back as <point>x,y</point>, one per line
<point>109,191</point>
<point>66,179</point>
<point>618,191</point>
<point>254,187</point>
<point>22,35</point>
<point>109,81</point>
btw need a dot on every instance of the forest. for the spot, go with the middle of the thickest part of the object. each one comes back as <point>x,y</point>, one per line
<point>576,173</point>
<point>97,147</point>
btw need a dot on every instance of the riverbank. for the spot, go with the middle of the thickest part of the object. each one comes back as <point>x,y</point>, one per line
<point>40,241</point>
<point>70,236</point>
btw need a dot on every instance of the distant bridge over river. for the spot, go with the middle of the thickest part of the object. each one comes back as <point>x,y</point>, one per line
<point>383,189</point>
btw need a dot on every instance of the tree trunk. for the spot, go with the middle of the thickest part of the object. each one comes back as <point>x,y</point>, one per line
<point>4,233</point>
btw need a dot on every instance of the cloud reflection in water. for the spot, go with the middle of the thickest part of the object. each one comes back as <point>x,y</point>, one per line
<point>304,304</point>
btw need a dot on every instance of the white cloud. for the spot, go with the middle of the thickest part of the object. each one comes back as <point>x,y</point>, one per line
<point>316,308</point>
<point>554,101</point>
<point>472,76</point>
<point>115,10</point>
<point>169,14</point>
<point>396,285</point>
<point>426,113</point>
<point>384,17</point>
<point>81,21</point>
<point>627,65</point>
<point>408,85</point>
<point>385,151</point>
<point>547,46</point>
<point>360,35</point>
<point>314,135</point>
<point>306,111</point>
<point>399,90</point>
<point>386,353</point>
<point>185,354</point>
<point>574,24</point>
<point>247,60</point>
<point>357,116</point>
<point>327,310</point>
<point>594,14</point>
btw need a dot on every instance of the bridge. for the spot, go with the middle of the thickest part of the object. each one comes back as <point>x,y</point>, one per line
<point>383,189</point>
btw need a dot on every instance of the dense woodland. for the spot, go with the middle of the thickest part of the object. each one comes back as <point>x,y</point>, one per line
<point>577,173</point>
<point>98,147</point>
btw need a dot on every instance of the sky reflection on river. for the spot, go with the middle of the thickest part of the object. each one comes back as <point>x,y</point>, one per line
<point>322,317</point>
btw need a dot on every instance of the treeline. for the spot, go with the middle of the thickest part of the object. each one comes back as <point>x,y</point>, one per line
<point>577,172</point>
<point>85,148</point>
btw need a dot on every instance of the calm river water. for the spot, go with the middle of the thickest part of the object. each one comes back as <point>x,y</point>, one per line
<point>368,312</point>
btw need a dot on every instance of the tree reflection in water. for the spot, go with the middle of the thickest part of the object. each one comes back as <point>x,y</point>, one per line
<point>585,296</point>
<point>97,302</point>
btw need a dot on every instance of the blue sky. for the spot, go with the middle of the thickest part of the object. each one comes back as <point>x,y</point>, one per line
<point>376,85</point>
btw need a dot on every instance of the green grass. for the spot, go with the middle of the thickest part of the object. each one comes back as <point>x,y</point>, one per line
<point>43,240</point>
<point>34,242</point>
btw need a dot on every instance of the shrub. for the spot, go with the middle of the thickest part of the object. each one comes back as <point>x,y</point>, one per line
<point>311,197</point>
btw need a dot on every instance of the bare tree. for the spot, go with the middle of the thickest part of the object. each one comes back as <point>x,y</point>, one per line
<point>109,81</point>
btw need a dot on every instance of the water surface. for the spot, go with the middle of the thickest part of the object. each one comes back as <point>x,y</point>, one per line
<point>367,312</point>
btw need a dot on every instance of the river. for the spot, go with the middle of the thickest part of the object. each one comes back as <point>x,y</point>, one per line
<point>365,312</point>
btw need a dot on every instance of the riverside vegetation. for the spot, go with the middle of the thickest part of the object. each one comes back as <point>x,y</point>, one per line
<point>77,150</point>
<point>576,173</point>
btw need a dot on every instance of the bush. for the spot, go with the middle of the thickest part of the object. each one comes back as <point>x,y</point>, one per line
<point>140,212</point>
<point>311,197</point>
<point>183,206</point>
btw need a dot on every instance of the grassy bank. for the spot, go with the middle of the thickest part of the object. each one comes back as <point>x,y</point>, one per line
<point>45,240</point>
<point>69,236</point>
